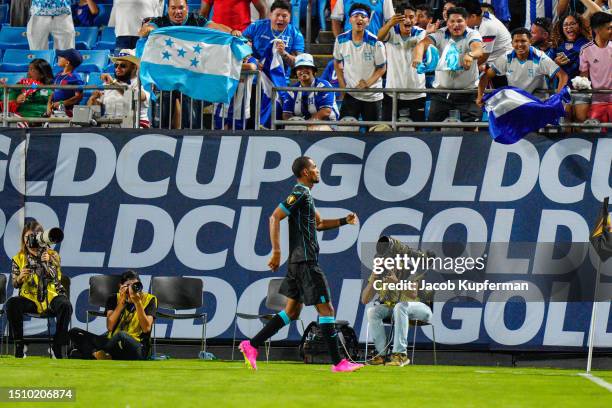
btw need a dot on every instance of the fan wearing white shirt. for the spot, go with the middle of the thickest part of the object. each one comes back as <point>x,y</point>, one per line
<point>525,67</point>
<point>401,35</point>
<point>495,36</point>
<point>360,62</point>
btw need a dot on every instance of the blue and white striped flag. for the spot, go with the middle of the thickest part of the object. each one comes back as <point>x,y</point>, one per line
<point>199,62</point>
<point>273,75</point>
<point>540,8</point>
<point>514,112</point>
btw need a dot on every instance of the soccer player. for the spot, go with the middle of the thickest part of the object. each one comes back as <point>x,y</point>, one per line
<point>495,36</point>
<point>305,283</point>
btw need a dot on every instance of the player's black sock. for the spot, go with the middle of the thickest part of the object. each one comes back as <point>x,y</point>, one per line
<point>328,329</point>
<point>278,322</point>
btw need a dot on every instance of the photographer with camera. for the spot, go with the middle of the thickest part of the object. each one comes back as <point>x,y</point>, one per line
<point>129,320</point>
<point>401,305</point>
<point>36,272</point>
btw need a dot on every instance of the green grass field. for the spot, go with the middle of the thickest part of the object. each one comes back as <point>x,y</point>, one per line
<point>196,383</point>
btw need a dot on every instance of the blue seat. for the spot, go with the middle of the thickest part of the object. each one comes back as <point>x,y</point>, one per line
<point>14,38</point>
<point>85,37</point>
<point>93,78</point>
<point>12,78</point>
<point>104,11</point>
<point>93,60</point>
<point>107,39</point>
<point>4,13</point>
<point>18,60</point>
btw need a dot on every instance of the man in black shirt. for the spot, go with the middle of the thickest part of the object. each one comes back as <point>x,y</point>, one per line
<point>305,282</point>
<point>129,319</point>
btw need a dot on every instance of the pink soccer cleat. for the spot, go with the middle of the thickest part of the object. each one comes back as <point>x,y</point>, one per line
<point>345,366</point>
<point>250,354</point>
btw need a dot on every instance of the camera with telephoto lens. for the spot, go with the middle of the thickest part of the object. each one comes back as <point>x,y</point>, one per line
<point>389,247</point>
<point>44,239</point>
<point>136,287</point>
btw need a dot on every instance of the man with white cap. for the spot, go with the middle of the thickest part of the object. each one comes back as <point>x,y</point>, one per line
<point>310,105</point>
<point>116,102</point>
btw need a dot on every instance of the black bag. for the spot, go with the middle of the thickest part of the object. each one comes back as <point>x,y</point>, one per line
<point>313,348</point>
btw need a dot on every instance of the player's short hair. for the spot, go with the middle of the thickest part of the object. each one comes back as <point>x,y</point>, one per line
<point>426,8</point>
<point>457,10</point>
<point>488,6</point>
<point>471,6</point>
<point>404,5</point>
<point>280,4</point>
<point>520,31</point>
<point>299,165</point>
<point>544,23</point>
<point>356,6</point>
<point>600,19</point>
<point>129,275</point>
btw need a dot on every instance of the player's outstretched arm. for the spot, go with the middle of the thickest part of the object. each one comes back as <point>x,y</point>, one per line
<point>275,220</point>
<point>323,225</point>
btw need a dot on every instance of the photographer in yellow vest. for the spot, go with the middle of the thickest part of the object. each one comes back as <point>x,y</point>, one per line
<point>37,274</point>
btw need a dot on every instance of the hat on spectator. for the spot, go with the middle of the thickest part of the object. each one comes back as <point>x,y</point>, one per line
<point>126,55</point>
<point>73,56</point>
<point>304,60</point>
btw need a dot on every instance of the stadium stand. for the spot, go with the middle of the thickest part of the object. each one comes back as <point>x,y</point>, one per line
<point>18,60</point>
<point>107,39</point>
<point>4,14</point>
<point>93,78</point>
<point>13,37</point>
<point>103,16</point>
<point>94,61</point>
<point>11,78</point>
<point>86,37</point>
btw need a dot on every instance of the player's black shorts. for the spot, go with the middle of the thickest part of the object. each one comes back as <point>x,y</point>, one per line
<point>306,283</point>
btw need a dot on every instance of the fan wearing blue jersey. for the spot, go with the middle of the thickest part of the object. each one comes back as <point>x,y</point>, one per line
<point>379,12</point>
<point>310,105</point>
<point>360,61</point>
<point>305,283</point>
<point>525,67</point>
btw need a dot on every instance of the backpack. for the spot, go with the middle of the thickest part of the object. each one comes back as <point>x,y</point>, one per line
<point>313,348</point>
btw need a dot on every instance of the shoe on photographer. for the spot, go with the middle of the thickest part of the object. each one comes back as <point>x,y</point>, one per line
<point>378,360</point>
<point>399,360</point>
<point>101,355</point>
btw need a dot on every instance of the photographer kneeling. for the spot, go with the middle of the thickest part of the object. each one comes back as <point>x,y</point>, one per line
<point>37,274</point>
<point>129,320</point>
<point>402,305</point>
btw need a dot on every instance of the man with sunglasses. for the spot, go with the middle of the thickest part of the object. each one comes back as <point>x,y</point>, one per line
<point>540,36</point>
<point>116,102</point>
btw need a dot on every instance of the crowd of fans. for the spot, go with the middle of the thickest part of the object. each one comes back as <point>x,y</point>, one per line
<point>379,44</point>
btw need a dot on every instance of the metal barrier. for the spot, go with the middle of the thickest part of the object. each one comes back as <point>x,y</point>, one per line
<point>165,101</point>
<point>394,123</point>
<point>7,119</point>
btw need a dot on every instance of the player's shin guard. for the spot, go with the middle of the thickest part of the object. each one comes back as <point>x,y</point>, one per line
<point>328,329</point>
<point>278,322</point>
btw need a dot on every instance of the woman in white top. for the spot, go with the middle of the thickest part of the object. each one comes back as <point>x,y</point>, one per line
<point>127,17</point>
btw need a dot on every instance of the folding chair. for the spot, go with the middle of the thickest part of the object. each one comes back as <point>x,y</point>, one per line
<point>65,281</point>
<point>275,302</point>
<point>3,322</point>
<point>100,288</point>
<point>178,293</point>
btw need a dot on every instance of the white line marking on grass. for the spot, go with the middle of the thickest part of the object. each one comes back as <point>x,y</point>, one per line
<point>485,372</point>
<point>599,381</point>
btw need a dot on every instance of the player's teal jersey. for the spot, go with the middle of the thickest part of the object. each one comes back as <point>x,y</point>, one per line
<point>300,209</point>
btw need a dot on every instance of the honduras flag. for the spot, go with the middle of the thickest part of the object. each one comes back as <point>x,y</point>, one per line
<point>199,62</point>
<point>273,75</point>
<point>514,112</point>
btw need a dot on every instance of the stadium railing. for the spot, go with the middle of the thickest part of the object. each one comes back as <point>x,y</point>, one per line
<point>8,119</point>
<point>394,123</point>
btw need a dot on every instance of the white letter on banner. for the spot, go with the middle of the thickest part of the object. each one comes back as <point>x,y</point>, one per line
<point>549,170</point>
<point>473,222</point>
<point>494,317</point>
<point>545,262</point>
<point>185,245</point>
<point>499,154</point>
<point>254,172</point>
<point>349,174</point>
<point>249,303</point>
<point>190,159</point>
<point>5,147</point>
<point>17,168</point>
<point>74,229</point>
<point>555,334</point>
<point>64,183</point>
<point>127,165</point>
<point>469,318</point>
<point>121,255</point>
<point>345,237</point>
<point>43,213</point>
<point>248,231</point>
<point>602,165</point>
<point>376,223</point>
<point>603,338</point>
<point>442,188</point>
<point>374,175</point>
